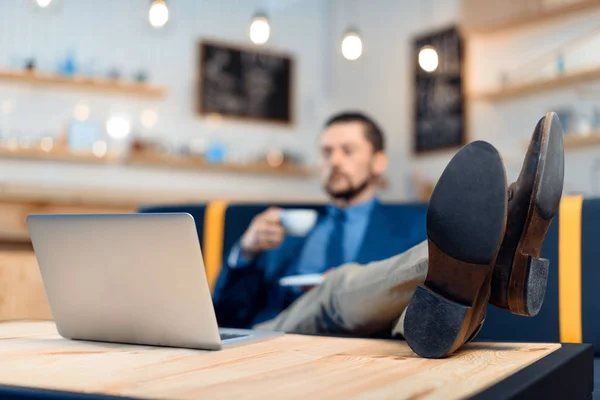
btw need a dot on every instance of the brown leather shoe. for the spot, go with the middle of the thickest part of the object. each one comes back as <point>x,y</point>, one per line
<point>466,219</point>
<point>520,276</point>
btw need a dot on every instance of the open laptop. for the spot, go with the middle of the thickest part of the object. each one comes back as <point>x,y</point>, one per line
<point>129,278</point>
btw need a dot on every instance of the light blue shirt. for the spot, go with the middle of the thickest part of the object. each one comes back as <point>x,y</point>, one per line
<point>312,258</point>
<point>314,252</point>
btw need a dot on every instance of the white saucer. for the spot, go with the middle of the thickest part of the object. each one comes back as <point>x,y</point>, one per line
<point>302,280</point>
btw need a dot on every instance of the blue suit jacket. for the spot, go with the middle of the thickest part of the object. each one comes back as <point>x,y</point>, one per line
<point>250,295</point>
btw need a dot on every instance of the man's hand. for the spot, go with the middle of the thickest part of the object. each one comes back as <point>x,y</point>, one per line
<point>264,233</point>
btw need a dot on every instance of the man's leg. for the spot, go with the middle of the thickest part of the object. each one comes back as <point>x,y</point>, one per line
<point>482,234</point>
<point>444,290</point>
<point>466,219</point>
<point>357,299</point>
<point>467,227</point>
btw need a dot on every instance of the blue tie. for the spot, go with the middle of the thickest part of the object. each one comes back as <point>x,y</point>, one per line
<point>335,249</point>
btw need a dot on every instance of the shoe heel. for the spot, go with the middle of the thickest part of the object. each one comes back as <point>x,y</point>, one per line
<point>535,284</point>
<point>434,326</point>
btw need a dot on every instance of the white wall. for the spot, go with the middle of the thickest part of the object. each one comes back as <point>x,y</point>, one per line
<point>116,33</point>
<point>380,82</point>
<point>509,123</point>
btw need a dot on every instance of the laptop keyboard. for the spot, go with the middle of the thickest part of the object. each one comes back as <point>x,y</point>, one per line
<point>225,336</point>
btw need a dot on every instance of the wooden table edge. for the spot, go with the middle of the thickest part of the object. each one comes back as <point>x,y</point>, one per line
<point>27,393</point>
<point>567,372</point>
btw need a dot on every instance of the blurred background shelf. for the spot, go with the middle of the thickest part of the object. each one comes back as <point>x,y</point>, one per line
<point>199,164</point>
<point>93,84</point>
<point>155,160</point>
<point>491,17</point>
<point>35,153</point>
<point>576,141</point>
<point>530,88</point>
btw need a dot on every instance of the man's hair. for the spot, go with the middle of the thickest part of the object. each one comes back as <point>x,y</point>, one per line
<point>373,133</point>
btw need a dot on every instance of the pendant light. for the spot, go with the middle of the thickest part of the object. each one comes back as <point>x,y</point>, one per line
<point>158,14</point>
<point>428,58</point>
<point>43,3</point>
<point>352,46</point>
<point>260,29</point>
<point>118,127</point>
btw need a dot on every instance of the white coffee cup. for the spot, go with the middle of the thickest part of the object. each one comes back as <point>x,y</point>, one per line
<point>298,222</point>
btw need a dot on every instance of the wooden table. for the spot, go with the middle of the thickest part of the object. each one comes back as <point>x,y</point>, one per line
<point>33,355</point>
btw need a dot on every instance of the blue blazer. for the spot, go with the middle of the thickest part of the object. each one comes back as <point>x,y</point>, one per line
<point>246,296</point>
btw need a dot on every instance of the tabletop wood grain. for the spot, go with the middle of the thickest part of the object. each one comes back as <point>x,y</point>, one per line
<point>289,366</point>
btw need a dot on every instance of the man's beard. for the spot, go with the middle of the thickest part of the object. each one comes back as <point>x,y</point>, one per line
<point>352,191</point>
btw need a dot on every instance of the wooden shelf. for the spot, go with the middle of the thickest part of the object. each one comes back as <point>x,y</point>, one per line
<point>189,163</point>
<point>531,88</point>
<point>93,84</point>
<point>480,17</point>
<point>578,141</point>
<point>200,164</point>
<point>36,153</point>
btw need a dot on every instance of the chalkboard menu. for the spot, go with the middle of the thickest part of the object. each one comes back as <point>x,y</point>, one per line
<point>439,109</point>
<point>245,82</point>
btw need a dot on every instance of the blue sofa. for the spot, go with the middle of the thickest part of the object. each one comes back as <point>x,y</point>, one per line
<point>571,311</point>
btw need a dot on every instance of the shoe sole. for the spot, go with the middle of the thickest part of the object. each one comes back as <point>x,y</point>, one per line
<point>466,220</point>
<point>529,273</point>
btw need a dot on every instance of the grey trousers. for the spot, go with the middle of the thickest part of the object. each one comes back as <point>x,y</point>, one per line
<point>358,299</point>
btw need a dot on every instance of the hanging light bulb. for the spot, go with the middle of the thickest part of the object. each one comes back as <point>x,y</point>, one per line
<point>428,58</point>
<point>118,127</point>
<point>352,45</point>
<point>158,14</point>
<point>260,30</point>
<point>43,3</point>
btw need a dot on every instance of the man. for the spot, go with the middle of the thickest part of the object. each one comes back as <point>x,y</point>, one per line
<point>354,227</point>
<point>484,243</point>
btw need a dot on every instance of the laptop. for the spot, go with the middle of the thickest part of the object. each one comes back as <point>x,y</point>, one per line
<point>129,278</point>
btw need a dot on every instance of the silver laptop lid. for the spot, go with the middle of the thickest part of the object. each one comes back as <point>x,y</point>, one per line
<point>130,278</point>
